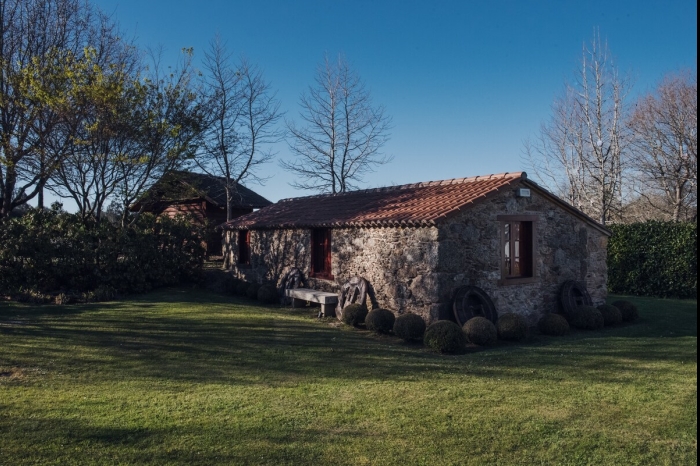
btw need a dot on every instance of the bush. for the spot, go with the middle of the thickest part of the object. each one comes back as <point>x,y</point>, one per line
<point>102,293</point>
<point>64,298</point>
<point>242,288</point>
<point>480,331</point>
<point>409,327</point>
<point>554,325</point>
<point>268,294</point>
<point>587,318</point>
<point>629,311</point>
<point>354,314</point>
<point>252,290</point>
<point>445,336</point>
<point>511,326</point>
<point>233,284</point>
<point>48,250</point>
<point>611,314</point>
<point>380,320</point>
<point>654,259</point>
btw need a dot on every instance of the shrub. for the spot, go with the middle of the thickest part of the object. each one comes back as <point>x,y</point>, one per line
<point>268,294</point>
<point>104,293</point>
<point>354,314</point>
<point>654,259</point>
<point>587,318</point>
<point>554,325</point>
<point>242,288</point>
<point>480,331</point>
<point>629,311</point>
<point>409,327</point>
<point>252,290</point>
<point>48,250</point>
<point>380,320</point>
<point>233,284</point>
<point>64,298</point>
<point>32,296</point>
<point>511,326</point>
<point>445,336</point>
<point>611,314</point>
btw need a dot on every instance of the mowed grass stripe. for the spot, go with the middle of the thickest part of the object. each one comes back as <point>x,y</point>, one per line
<point>189,377</point>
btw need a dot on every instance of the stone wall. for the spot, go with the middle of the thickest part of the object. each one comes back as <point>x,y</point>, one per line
<point>418,269</point>
<point>567,248</point>
<point>398,263</point>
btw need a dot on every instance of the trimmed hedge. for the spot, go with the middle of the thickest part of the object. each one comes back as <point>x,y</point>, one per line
<point>49,250</point>
<point>267,294</point>
<point>252,290</point>
<point>554,325</point>
<point>409,327</point>
<point>354,314</point>
<point>629,311</point>
<point>242,288</point>
<point>480,331</point>
<point>445,336</point>
<point>511,326</point>
<point>380,320</point>
<point>611,314</point>
<point>654,259</point>
<point>587,318</point>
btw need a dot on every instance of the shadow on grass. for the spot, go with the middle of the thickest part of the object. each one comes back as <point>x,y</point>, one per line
<point>232,443</point>
<point>198,337</point>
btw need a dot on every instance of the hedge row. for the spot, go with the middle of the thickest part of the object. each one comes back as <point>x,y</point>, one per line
<point>654,259</point>
<point>52,251</point>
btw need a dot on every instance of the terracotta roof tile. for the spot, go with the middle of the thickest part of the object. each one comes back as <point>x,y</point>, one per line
<point>411,205</point>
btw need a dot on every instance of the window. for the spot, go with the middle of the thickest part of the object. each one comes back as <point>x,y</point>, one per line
<point>517,249</point>
<point>244,247</point>
<point>321,253</point>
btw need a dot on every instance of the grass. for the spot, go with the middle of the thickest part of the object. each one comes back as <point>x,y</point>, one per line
<point>190,377</point>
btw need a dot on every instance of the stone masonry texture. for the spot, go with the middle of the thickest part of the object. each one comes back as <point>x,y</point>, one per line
<point>417,269</point>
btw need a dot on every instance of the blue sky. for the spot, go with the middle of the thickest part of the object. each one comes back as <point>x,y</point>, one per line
<point>464,81</point>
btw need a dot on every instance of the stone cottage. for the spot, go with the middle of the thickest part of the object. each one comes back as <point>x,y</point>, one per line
<point>416,244</point>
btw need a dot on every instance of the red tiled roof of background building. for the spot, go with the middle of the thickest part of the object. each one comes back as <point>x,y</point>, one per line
<point>410,205</point>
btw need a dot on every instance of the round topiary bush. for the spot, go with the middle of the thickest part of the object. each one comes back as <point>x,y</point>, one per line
<point>252,290</point>
<point>233,284</point>
<point>242,288</point>
<point>480,331</point>
<point>445,336</point>
<point>354,314</point>
<point>511,326</point>
<point>587,318</point>
<point>553,325</point>
<point>267,294</point>
<point>380,320</point>
<point>409,327</point>
<point>611,314</point>
<point>629,311</point>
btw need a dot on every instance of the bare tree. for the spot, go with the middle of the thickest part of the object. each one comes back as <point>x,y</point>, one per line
<point>580,152</point>
<point>665,127</point>
<point>341,134</point>
<point>242,123</point>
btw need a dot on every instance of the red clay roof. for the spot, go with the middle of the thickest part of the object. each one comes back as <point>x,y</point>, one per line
<point>410,205</point>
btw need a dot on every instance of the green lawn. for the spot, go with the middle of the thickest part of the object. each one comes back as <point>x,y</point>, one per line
<point>186,377</point>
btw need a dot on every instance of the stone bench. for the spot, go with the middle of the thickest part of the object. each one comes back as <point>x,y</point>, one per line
<point>326,300</point>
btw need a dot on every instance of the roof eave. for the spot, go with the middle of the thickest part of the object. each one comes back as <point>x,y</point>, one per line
<point>568,207</point>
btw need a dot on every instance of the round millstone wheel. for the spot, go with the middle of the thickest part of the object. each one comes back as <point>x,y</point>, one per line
<point>472,301</point>
<point>573,294</point>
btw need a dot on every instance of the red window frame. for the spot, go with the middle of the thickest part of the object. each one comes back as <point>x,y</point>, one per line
<point>518,249</point>
<point>244,247</point>
<point>321,253</point>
